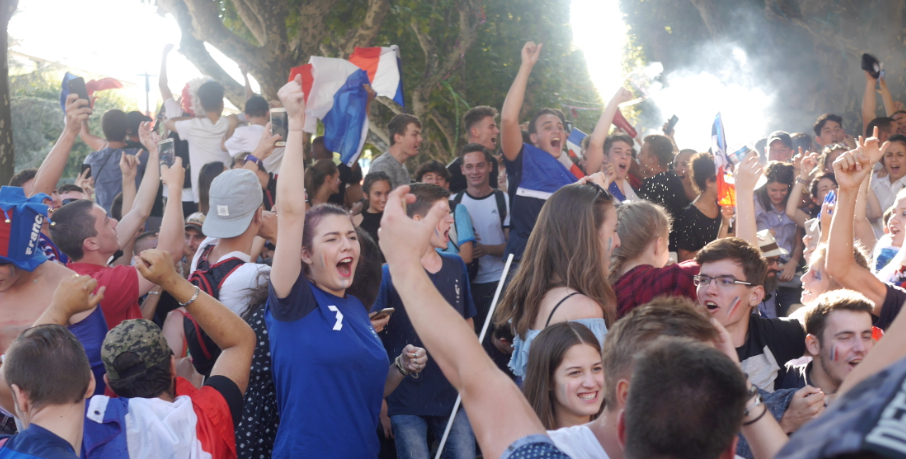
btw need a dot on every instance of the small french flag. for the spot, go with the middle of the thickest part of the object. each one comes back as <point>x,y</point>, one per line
<point>385,70</point>
<point>335,94</point>
<point>574,142</point>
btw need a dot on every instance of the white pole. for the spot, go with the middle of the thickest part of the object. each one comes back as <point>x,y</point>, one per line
<point>484,330</point>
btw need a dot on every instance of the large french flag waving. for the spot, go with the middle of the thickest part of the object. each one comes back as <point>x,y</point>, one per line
<point>334,93</point>
<point>385,70</point>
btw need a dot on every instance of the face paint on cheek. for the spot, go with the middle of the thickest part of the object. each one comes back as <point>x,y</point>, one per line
<point>733,307</point>
<point>563,392</point>
<point>833,355</point>
<point>817,275</point>
<point>609,244</point>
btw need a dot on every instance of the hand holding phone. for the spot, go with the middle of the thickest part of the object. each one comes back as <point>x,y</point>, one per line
<point>166,152</point>
<point>380,315</point>
<point>77,86</point>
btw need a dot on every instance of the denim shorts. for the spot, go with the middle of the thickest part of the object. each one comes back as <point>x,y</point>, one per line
<point>535,446</point>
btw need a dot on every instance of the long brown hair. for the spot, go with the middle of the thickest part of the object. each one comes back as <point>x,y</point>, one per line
<point>317,174</point>
<point>546,354</point>
<point>564,250</point>
<point>641,223</point>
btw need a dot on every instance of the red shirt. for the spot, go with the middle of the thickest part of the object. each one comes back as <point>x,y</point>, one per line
<point>642,283</point>
<point>121,297</point>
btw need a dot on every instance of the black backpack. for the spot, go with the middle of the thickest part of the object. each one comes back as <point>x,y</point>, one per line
<point>500,198</point>
<point>209,278</point>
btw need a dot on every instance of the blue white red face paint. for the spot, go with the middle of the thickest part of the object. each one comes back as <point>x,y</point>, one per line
<point>733,306</point>
<point>833,355</point>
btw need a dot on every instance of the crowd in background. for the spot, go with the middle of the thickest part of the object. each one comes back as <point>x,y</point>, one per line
<point>210,288</point>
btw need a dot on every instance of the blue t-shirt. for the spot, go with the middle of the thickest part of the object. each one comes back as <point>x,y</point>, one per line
<point>464,231</point>
<point>37,442</point>
<point>108,178</point>
<point>430,394</point>
<point>91,332</point>
<point>329,371</point>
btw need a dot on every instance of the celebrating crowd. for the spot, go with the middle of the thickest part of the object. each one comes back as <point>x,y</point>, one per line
<point>212,288</point>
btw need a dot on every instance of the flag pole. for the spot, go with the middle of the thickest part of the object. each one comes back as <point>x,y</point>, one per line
<point>484,330</point>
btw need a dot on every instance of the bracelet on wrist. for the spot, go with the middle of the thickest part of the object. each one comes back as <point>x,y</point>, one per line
<point>753,421</point>
<point>253,159</point>
<point>191,300</point>
<point>801,180</point>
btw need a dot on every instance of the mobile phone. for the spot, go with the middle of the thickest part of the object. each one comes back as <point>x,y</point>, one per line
<point>77,86</point>
<point>166,151</point>
<point>671,123</point>
<point>84,168</point>
<point>378,315</point>
<point>279,122</point>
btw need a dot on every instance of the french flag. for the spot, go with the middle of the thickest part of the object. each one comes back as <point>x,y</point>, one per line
<point>195,425</point>
<point>723,167</point>
<point>574,142</point>
<point>385,70</point>
<point>334,93</point>
<point>542,174</point>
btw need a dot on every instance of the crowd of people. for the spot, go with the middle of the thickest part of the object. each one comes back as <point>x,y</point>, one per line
<point>209,288</point>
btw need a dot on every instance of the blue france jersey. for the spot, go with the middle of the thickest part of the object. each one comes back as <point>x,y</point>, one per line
<point>329,370</point>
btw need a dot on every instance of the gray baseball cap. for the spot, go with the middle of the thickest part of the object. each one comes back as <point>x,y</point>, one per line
<point>234,198</point>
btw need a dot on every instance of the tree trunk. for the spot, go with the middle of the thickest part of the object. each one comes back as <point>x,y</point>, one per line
<point>7,155</point>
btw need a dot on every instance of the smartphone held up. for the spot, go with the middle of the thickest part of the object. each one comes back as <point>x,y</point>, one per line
<point>166,152</point>
<point>279,123</point>
<point>77,86</point>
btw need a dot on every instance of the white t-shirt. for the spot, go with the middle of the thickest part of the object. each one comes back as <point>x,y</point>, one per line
<point>236,286</point>
<point>246,138</point>
<point>173,110</point>
<point>204,140</point>
<point>578,442</point>
<point>486,222</point>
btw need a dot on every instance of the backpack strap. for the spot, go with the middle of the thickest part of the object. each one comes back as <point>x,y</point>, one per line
<point>500,196</point>
<point>457,198</point>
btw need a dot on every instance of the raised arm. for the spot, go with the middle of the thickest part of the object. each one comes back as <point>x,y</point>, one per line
<point>865,202</point>
<point>94,142</point>
<point>147,191</point>
<point>162,83</point>
<point>594,155</point>
<point>511,134</point>
<point>245,78</point>
<point>498,411</point>
<point>228,331</point>
<point>869,102</point>
<point>52,168</point>
<point>800,186</point>
<point>287,265</point>
<point>129,168</point>
<point>850,169</point>
<point>747,174</point>
<point>889,106</point>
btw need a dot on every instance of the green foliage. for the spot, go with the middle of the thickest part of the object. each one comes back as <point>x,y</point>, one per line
<point>483,76</point>
<point>38,119</point>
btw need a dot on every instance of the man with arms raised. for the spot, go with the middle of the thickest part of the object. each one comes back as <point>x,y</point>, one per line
<point>86,234</point>
<point>481,128</point>
<point>405,137</point>
<point>534,171</point>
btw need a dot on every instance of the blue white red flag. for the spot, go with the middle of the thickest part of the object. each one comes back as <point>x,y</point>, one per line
<point>574,142</point>
<point>337,97</point>
<point>542,174</point>
<point>385,70</point>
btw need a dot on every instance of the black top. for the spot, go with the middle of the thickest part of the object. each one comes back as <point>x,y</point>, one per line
<point>667,190</point>
<point>370,223</point>
<point>231,394</point>
<point>257,431</point>
<point>796,376</point>
<point>770,343</point>
<point>695,230</point>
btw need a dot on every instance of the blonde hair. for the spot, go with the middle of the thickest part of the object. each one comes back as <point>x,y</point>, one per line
<point>640,224</point>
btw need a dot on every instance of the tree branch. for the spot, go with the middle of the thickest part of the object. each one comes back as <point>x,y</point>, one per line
<point>206,18</point>
<point>445,128</point>
<point>197,54</point>
<point>364,34</point>
<point>252,20</point>
<point>307,38</point>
